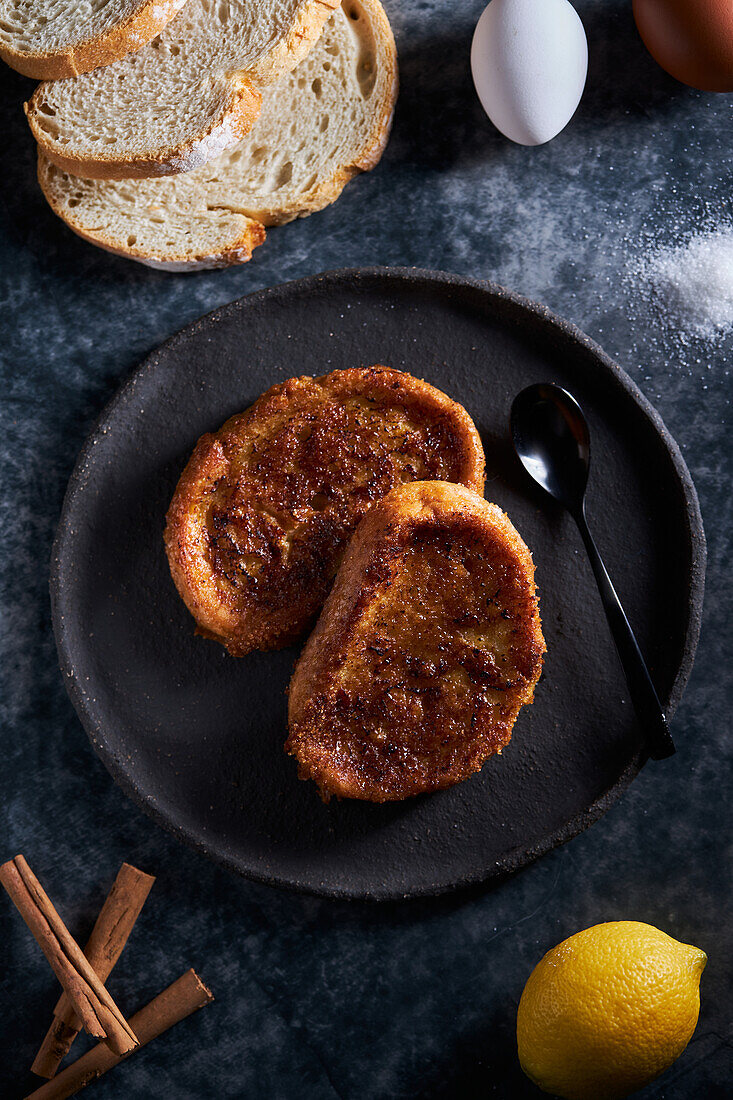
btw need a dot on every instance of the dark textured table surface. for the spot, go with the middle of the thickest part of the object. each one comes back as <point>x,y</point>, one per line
<point>315,998</point>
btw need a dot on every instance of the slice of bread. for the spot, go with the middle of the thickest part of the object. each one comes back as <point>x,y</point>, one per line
<point>51,39</point>
<point>324,123</point>
<point>266,505</point>
<point>182,99</point>
<point>426,649</point>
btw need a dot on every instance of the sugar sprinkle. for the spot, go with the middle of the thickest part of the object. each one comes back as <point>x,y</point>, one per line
<point>692,284</point>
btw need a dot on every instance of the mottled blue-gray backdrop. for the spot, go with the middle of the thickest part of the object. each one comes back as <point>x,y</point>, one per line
<point>314,998</point>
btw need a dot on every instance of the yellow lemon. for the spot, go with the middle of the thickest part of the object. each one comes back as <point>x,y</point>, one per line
<point>608,1010</point>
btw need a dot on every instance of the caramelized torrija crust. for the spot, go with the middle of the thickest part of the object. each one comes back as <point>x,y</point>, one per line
<point>265,508</point>
<point>426,649</point>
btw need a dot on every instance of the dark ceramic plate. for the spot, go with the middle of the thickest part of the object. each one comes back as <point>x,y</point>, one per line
<point>195,737</point>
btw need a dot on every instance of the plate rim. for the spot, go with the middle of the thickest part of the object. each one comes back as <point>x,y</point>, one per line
<point>549,321</point>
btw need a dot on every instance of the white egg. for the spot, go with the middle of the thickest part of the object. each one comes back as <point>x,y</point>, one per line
<point>529,60</point>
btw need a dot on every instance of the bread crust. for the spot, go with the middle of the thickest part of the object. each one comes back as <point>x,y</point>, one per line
<point>127,36</point>
<point>235,119</point>
<point>419,663</point>
<point>265,507</point>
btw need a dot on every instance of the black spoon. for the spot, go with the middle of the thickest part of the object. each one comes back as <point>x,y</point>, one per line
<point>552,440</point>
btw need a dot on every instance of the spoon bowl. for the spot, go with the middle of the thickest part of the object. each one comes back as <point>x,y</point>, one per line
<point>552,440</point>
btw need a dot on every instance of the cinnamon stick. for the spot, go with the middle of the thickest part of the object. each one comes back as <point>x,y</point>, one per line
<point>98,1012</point>
<point>110,934</point>
<point>174,1004</point>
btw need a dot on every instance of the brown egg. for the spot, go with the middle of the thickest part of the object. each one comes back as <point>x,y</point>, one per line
<point>691,39</point>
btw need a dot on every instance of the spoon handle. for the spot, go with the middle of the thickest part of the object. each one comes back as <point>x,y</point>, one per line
<point>643,694</point>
